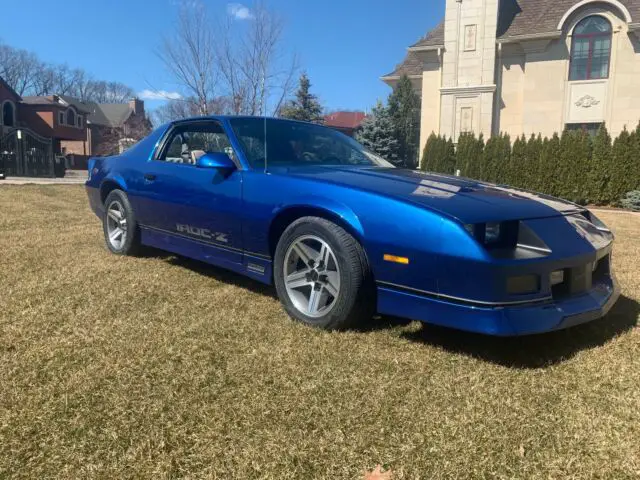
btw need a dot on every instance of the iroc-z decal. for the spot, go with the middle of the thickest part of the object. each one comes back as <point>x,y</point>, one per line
<point>202,233</point>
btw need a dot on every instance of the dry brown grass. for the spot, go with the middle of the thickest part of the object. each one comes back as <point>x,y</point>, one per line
<point>160,367</point>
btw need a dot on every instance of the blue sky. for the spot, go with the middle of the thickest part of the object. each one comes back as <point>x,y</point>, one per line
<point>344,45</point>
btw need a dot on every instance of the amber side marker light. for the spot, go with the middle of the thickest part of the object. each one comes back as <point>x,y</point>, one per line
<point>394,259</point>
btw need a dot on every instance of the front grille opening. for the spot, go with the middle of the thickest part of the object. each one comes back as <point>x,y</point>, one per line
<point>562,289</point>
<point>602,270</point>
<point>580,279</point>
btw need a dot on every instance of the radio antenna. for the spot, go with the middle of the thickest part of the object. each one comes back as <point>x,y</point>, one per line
<point>264,117</point>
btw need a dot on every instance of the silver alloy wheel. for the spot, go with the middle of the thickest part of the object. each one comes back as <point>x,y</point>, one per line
<point>116,224</point>
<point>311,276</point>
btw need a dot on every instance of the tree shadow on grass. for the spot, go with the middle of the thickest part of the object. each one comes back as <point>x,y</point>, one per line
<point>534,351</point>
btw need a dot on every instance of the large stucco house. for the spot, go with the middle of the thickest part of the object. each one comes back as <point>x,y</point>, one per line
<point>528,66</point>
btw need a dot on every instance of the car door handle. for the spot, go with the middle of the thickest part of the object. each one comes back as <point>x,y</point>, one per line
<point>149,177</point>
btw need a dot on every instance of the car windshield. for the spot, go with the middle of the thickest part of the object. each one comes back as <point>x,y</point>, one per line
<point>297,144</point>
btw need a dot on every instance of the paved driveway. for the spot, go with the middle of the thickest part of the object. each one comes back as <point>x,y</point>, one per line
<point>76,178</point>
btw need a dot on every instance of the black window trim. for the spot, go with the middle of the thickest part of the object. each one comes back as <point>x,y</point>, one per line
<point>164,143</point>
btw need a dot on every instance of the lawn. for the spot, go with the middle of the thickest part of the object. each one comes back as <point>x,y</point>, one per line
<point>161,367</point>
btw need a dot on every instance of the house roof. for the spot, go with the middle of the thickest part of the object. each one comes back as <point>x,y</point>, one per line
<point>9,88</point>
<point>52,100</point>
<point>516,18</point>
<point>433,38</point>
<point>528,17</point>
<point>411,65</point>
<point>344,119</point>
<point>104,114</point>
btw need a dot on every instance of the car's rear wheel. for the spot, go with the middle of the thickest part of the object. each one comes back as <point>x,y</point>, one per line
<point>121,232</point>
<point>322,275</point>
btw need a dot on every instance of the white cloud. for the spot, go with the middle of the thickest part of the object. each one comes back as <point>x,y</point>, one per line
<point>159,95</point>
<point>239,11</point>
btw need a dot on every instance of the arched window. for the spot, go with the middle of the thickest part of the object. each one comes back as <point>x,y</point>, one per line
<point>8,114</point>
<point>71,117</point>
<point>591,49</point>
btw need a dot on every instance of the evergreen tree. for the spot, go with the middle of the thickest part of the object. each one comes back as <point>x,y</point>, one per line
<point>518,158</point>
<point>573,167</point>
<point>377,134</point>
<point>495,159</point>
<point>439,155</point>
<point>449,157</point>
<point>579,176</point>
<point>634,180</point>
<point>472,155</point>
<point>465,153</point>
<point>404,107</point>
<point>503,159</point>
<point>305,106</point>
<point>429,155</point>
<point>532,163</point>
<point>600,168</point>
<point>549,157</point>
<point>622,179</point>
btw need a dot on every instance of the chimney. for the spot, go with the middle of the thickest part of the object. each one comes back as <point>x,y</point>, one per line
<point>137,106</point>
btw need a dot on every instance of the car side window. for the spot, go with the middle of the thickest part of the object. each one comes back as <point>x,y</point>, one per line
<point>188,142</point>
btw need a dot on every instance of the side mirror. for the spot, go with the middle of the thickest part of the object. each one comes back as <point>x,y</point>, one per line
<point>217,160</point>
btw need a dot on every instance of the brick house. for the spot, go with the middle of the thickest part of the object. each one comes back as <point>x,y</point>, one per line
<point>346,122</point>
<point>111,127</point>
<point>9,101</point>
<point>84,129</point>
<point>53,118</point>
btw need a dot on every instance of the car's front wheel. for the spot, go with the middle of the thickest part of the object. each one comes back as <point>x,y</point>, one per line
<point>322,275</point>
<point>121,232</point>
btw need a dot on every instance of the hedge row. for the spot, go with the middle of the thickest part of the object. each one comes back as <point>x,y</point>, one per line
<point>572,165</point>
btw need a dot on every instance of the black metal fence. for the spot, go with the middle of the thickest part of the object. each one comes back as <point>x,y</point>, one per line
<point>25,153</point>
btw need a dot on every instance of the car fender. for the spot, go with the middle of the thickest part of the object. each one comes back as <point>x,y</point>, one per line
<point>111,179</point>
<point>330,206</point>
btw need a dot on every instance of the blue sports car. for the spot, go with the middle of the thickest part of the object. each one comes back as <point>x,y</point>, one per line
<point>343,234</point>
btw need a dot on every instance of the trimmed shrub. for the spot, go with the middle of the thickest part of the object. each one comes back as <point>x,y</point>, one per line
<point>600,169</point>
<point>572,165</point>
<point>549,158</point>
<point>631,200</point>
<point>518,162</point>
<point>439,155</point>
<point>532,163</point>
<point>469,154</point>
<point>622,179</point>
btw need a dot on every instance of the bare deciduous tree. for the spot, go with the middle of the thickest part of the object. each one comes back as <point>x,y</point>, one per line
<point>28,75</point>
<point>258,71</point>
<point>189,56</point>
<point>221,68</point>
<point>19,68</point>
<point>186,108</point>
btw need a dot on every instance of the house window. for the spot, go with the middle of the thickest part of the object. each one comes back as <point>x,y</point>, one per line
<point>79,121</point>
<point>591,49</point>
<point>8,114</point>
<point>60,118</point>
<point>590,128</point>
<point>71,117</point>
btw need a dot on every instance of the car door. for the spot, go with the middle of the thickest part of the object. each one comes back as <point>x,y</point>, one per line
<point>182,206</point>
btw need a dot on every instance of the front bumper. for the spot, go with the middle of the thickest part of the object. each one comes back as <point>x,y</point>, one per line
<point>502,320</point>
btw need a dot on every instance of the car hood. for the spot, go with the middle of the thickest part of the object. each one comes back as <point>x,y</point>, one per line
<point>467,200</point>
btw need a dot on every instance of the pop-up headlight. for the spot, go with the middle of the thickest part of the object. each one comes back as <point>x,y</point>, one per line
<point>495,234</point>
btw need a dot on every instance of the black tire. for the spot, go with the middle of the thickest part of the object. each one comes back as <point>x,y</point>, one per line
<point>131,244</point>
<point>356,300</point>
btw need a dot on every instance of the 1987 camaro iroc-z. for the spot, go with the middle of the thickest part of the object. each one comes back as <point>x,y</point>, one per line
<point>342,234</point>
